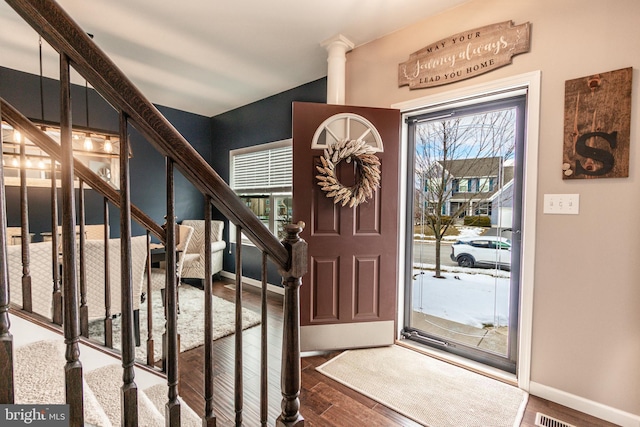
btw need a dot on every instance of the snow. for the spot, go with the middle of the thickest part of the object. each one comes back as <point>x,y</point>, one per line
<point>470,299</point>
<point>464,232</point>
<point>471,296</point>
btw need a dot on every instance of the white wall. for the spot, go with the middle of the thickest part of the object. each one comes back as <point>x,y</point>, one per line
<point>586,304</point>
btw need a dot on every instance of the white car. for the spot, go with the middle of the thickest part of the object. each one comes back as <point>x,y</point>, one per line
<point>489,251</point>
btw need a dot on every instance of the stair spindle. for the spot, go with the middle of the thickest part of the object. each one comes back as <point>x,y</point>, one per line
<point>209,416</point>
<point>55,261</point>
<point>27,300</point>
<point>108,320</point>
<point>150,350</point>
<point>129,390</point>
<point>6,339</point>
<point>73,368</point>
<point>172,408</point>
<point>239,390</point>
<point>82,272</point>
<point>264,349</point>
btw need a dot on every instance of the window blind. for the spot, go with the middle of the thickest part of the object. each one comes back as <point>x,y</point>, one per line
<point>263,169</point>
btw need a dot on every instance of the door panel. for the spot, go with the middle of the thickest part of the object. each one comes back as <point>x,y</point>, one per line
<point>349,297</point>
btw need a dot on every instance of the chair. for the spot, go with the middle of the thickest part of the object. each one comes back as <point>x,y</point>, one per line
<point>93,231</point>
<point>193,258</point>
<point>185,233</point>
<point>14,236</point>
<point>41,272</point>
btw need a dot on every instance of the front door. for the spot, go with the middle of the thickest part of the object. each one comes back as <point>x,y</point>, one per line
<point>349,297</point>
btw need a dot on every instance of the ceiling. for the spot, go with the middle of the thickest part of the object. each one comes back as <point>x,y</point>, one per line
<point>208,56</point>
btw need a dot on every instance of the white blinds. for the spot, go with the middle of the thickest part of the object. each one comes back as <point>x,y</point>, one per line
<point>262,169</point>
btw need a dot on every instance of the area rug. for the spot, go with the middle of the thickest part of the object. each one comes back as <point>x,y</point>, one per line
<point>427,390</point>
<point>190,322</point>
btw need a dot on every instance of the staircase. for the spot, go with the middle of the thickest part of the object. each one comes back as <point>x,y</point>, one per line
<point>113,392</point>
<point>37,383</point>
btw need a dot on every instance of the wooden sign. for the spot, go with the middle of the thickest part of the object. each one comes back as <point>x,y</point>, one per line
<point>597,126</point>
<point>464,55</point>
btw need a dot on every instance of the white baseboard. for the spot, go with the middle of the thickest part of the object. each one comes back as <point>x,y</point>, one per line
<point>595,409</point>
<point>253,282</point>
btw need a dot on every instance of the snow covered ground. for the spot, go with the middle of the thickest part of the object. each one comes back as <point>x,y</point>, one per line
<point>471,296</point>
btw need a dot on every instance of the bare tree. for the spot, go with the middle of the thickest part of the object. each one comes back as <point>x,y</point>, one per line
<point>451,157</point>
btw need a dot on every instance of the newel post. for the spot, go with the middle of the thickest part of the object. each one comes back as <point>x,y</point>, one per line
<point>290,372</point>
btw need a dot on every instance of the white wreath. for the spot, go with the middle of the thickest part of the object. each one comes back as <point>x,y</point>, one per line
<point>367,170</point>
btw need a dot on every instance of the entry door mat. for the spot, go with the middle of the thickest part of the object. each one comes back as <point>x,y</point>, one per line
<point>427,390</point>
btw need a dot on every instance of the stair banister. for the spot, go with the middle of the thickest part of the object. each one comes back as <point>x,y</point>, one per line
<point>54,24</point>
<point>290,256</point>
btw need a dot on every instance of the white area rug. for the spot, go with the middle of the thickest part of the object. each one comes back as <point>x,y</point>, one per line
<point>427,390</point>
<point>190,322</point>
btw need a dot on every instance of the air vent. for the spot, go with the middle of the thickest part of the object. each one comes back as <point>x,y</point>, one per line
<point>543,420</point>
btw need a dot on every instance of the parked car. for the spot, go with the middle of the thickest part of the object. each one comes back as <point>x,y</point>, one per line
<point>489,251</point>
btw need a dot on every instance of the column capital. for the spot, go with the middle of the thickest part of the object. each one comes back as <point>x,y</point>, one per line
<point>338,41</point>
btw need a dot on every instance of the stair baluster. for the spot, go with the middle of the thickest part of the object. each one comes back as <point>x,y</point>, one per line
<point>172,408</point>
<point>239,390</point>
<point>129,387</point>
<point>73,368</point>
<point>6,339</point>
<point>108,320</point>
<point>150,351</point>
<point>55,262</point>
<point>82,271</point>
<point>264,348</point>
<point>209,414</point>
<point>27,300</point>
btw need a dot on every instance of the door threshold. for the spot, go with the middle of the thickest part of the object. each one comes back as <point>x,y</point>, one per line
<point>479,368</point>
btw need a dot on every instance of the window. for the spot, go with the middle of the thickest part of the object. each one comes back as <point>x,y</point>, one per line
<point>262,176</point>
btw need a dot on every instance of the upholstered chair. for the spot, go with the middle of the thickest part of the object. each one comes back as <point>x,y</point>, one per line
<point>193,264</point>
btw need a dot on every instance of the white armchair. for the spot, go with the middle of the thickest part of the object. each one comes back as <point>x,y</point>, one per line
<point>185,233</point>
<point>193,258</point>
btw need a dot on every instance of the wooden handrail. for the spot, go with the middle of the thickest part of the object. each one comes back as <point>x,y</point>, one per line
<point>49,146</point>
<point>64,35</point>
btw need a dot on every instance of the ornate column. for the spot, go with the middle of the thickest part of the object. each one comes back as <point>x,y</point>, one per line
<point>337,47</point>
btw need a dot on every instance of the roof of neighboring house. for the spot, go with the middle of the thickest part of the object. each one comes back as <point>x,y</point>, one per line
<point>471,168</point>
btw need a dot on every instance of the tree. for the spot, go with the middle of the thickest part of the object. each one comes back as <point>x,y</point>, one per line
<point>455,163</point>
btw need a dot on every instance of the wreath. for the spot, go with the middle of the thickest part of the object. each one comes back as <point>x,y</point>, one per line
<point>367,172</point>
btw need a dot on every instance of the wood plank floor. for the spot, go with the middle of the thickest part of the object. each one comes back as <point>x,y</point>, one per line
<point>323,401</point>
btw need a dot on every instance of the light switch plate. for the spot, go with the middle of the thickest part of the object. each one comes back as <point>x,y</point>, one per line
<point>562,204</point>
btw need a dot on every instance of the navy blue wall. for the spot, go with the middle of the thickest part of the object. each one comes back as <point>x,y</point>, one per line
<point>147,166</point>
<point>263,121</point>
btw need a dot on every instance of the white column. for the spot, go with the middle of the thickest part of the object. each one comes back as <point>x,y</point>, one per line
<point>337,47</point>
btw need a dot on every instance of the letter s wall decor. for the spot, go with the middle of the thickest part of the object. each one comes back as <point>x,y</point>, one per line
<point>597,126</point>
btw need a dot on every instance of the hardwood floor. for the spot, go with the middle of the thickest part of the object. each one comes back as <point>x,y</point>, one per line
<point>323,402</point>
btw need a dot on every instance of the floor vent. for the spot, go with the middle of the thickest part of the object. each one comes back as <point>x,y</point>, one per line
<point>543,420</point>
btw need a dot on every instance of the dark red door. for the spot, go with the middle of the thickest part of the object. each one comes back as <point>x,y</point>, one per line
<point>349,296</point>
